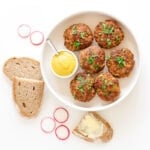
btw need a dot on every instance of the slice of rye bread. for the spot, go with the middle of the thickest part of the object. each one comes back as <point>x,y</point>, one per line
<point>22,67</point>
<point>28,95</point>
<point>93,127</point>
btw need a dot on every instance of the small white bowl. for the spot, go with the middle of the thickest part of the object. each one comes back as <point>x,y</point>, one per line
<point>74,70</point>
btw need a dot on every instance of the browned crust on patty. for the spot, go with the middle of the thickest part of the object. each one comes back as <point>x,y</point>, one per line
<point>82,87</point>
<point>107,87</point>
<point>108,34</point>
<point>120,62</point>
<point>92,59</point>
<point>78,36</point>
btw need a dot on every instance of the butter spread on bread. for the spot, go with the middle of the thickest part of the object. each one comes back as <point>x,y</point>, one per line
<point>93,127</point>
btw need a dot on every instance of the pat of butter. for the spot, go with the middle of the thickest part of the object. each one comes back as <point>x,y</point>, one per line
<point>91,127</point>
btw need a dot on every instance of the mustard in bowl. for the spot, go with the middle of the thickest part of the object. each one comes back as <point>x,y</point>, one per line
<point>64,64</point>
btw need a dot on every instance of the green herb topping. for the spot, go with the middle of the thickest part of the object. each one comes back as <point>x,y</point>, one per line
<point>90,60</point>
<point>80,78</point>
<point>74,30</point>
<point>108,42</point>
<point>84,83</point>
<point>77,44</point>
<point>105,84</point>
<point>82,35</point>
<point>107,29</point>
<point>80,88</point>
<point>108,57</point>
<point>121,62</point>
<point>96,67</point>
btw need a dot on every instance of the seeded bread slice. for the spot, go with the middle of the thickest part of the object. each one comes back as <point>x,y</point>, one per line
<point>93,127</point>
<point>28,95</point>
<point>22,67</point>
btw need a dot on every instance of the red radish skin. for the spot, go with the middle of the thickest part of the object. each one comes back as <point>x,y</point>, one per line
<point>58,132</point>
<point>61,114</point>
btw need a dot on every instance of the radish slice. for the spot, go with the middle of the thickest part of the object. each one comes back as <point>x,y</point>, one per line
<point>48,124</point>
<point>36,38</point>
<point>62,132</point>
<point>61,115</point>
<point>24,30</point>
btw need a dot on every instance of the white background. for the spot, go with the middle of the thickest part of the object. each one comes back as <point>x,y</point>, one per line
<point>130,119</point>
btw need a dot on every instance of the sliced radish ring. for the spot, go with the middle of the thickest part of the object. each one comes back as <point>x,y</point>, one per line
<point>48,124</point>
<point>61,114</point>
<point>62,132</point>
<point>24,30</point>
<point>36,38</point>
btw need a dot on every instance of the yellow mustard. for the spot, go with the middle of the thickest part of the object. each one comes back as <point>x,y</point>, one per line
<point>63,63</point>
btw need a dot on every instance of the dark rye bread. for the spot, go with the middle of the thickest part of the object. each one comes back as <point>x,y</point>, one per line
<point>22,67</point>
<point>93,127</point>
<point>28,95</point>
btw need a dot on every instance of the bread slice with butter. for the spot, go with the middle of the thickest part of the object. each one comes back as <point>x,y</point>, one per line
<point>93,127</point>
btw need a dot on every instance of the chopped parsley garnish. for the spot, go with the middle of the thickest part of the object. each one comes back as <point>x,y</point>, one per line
<point>121,62</point>
<point>77,44</point>
<point>107,29</point>
<point>108,42</point>
<point>96,67</point>
<point>108,57</point>
<point>80,78</point>
<point>104,86</point>
<point>90,60</point>
<point>80,88</point>
<point>82,35</point>
<point>84,83</point>
<point>74,30</point>
<point>89,84</point>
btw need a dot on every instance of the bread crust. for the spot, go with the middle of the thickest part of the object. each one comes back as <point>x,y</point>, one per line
<point>107,130</point>
<point>22,67</point>
<point>27,94</point>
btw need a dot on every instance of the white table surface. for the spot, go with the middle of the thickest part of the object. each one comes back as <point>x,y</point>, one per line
<point>130,119</point>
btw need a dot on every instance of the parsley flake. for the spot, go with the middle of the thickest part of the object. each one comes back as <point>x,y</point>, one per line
<point>74,30</point>
<point>77,44</point>
<point>107,29</point>
<point>121,62</point>
<point>82,35</point>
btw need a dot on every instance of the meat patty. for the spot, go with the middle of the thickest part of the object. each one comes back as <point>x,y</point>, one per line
<point>78,36</point>
<point>107,87</point>
<point>108,34</point>
<point>92,59</point>
<point>120,62</point>
<point>82,87</point>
